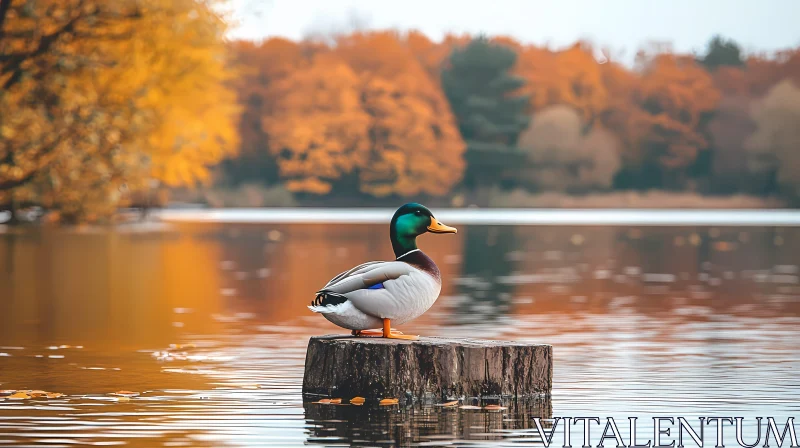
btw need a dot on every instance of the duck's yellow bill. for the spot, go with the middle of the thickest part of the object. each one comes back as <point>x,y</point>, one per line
<point>437,227</point>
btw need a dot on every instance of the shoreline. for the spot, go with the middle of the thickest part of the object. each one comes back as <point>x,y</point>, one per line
<point>492,216</point>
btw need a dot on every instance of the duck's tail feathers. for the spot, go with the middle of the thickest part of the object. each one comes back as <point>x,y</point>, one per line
<point>327,302</point>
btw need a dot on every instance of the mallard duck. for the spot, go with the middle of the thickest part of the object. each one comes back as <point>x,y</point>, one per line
<point>376,294</point>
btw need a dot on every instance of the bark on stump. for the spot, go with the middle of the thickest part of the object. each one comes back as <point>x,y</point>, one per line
<point>429,369</point>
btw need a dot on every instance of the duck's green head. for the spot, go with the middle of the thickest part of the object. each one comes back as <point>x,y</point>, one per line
<point>410,221</point>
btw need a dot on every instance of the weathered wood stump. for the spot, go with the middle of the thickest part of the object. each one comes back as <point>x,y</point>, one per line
<point>429,369</point>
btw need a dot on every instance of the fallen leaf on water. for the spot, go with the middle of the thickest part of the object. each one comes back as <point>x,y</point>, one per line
<point>19,396</point>
<point>329,401</point>
<point>54,395</point>
<point>494,407</point>
<point>389,401</point>
<point>358,401</point>
<point>466,406</point>
<point>125,393</point>
<point>449,404</point>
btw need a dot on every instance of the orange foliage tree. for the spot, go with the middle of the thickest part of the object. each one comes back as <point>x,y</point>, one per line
<point>260,68</point>
<point>415,144</point>
<point>571,77</point>
<point>675,95</point>
<point>318,129</point>
<point>367,108</point>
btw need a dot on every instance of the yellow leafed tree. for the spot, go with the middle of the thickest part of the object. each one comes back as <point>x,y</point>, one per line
<point>102,96</point>
<point>182,51</point>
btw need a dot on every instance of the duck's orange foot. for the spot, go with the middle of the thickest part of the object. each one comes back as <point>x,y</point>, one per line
<point>388,333</point>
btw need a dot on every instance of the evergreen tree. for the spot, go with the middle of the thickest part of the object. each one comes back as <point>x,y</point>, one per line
<point>722,52</point>
<point>481,90</point>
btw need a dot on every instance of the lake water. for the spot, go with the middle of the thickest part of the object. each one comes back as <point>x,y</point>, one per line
<point>207,323</point>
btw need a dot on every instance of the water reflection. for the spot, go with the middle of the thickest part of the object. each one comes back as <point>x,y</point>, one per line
<point>490,254</point>
<point>208,323</point>
<point>366,425</point>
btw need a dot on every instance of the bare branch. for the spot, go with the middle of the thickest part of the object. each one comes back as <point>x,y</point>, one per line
<point>9,184</point>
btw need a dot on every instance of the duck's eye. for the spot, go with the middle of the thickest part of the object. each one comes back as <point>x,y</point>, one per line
<point>418,213</point>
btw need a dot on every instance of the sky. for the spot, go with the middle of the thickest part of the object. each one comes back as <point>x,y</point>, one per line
<point>621,25</point>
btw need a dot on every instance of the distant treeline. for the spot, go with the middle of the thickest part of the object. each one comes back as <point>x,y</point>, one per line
<point>396,114</point>
<point>108,104</point>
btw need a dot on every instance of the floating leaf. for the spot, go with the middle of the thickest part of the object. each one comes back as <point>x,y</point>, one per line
<point>389,401</point>
<point>494,407</point>
<point>125,393</point>
<point>54,395</point>
<point>329,401</point>
<point>449,404</point>
<point>358,401</point>
<point>466,406</point>
<point>19,396</point>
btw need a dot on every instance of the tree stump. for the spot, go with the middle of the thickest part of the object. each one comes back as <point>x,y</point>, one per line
<point>429,369</point>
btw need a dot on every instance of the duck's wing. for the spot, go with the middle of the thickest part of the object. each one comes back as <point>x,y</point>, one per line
<point>375,289</point>
<point>367,275</point>
<point>355,270</point>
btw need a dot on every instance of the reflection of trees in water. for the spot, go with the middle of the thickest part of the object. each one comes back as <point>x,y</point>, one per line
<point>728,270</point>
<point>365,425</point>
<point>641,269</point>
<point>486,256</point>
<point>110,288</point>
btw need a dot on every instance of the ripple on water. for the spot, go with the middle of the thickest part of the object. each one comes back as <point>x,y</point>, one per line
<point>641,326</point>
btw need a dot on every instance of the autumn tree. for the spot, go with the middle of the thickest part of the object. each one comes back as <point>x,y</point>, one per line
<point>416,147</point>
<point>563,157</point>
<point>572,77</point>
<point>414,141</point>
<point>260,68</point>
<point>663,126</point>
<point>763,72</point>
<point>775,146</point>
<point>319,129</point>
<point>369,111</point>
<point>104,96</point>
